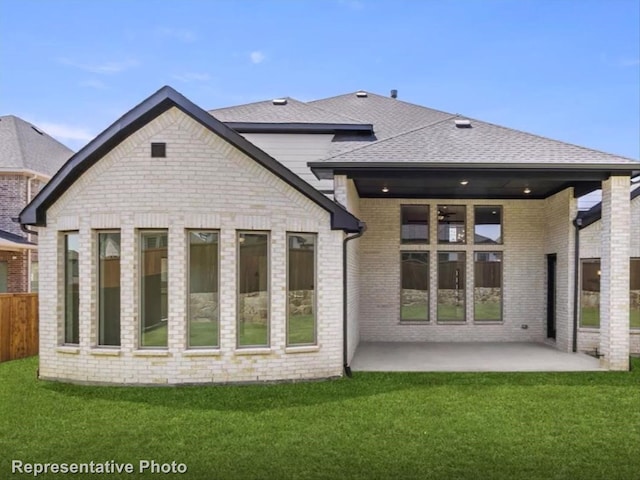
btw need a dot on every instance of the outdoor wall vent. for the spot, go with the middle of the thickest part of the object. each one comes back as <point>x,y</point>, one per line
<point>279,101</point>
<point>361,94</point>
<point>159,150</point>
<point>463,123</point>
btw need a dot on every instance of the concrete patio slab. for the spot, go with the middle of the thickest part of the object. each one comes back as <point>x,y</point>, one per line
<point>468,357</point>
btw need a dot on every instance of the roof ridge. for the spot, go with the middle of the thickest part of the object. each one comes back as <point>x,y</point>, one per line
<point>324,110</point>
<point>250,103</point>
<point>393,137</point>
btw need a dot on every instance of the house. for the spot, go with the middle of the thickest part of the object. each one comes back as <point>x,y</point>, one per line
<point>590,273</point>
<point>265,241</point>
<point>28,158</point>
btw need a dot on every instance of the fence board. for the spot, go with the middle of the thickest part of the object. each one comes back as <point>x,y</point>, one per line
<point>18,325</point>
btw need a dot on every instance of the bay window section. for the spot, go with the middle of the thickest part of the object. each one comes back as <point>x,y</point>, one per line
<point>590,293</point>
<point>301,293</point>
<point>451,286</point>
<point>253,290</point>
<point>109,288</point>
<point>153,288</point>
<point>415,224</point>
<point>487,292</point>
<point>452,224</point>
<point>487,225</point>
<point>414,286</point>
<point>203,300</point>
<point>634,293</point>
<point>71,289</point>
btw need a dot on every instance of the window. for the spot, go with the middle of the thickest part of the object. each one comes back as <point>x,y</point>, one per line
<point>487,292</point>
<point>487,225</point>
<point>301,291</point>
<point>34,277</point>
<point>159,150</point>
<point>634,292</point>
<point>414,286</point>
<point>253,289</point>
<point>109,288</point>
<point>71,289</point>
<point>451,287</point>
<point>452,224</point>
<point>4,277</point>
<point>590,294</point>
<point>204,299</point>
<point>415,224</point>
<point>153,288</point>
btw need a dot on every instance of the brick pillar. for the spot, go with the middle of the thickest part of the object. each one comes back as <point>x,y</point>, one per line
<point>614,279</point>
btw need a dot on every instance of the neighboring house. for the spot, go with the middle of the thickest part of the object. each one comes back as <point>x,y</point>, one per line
<point>182,246</point>
<point>28,158</point>
<point>590,273</point>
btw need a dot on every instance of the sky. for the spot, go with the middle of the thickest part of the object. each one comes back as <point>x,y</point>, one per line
<point>564,69</point>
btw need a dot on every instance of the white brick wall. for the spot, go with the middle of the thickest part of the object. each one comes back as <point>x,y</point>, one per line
<point>203,183</point>
<point>524,229</point>
<point>590,247</point>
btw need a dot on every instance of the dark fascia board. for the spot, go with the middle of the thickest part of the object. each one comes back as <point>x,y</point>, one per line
<point>334,128</point>
<point>152,107</point>
<point>12,237</point>
<point>326,170</point>
<point>594,214</point>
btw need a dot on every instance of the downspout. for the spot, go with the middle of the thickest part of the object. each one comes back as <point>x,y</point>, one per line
<point>577,223</point>
<point>345,356</point>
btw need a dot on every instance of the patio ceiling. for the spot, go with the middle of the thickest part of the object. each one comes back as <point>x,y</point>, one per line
<point>487,181</point>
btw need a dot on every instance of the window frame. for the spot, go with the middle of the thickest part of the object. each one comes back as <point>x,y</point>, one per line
<point>631,262</point>
<point>464,296</point>
<point>501,209</point>
<point>501,262</point>
<point>188,233</point>
<point>315,291</point>
<point>267,233</point>
<point>97,288</point>
<point>580,306</point>
<point>414,321</point>
<point>139,235</point>
<point>465,224</point>
<point>65,250</point>
<point>427,241</point>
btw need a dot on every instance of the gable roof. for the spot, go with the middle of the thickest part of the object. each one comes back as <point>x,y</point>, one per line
<point>152,107</point>
<point>11,241</point>
<point>26,147</point>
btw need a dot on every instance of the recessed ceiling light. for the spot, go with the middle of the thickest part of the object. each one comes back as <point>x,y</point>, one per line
<point>494,213</point>
<point>527,190</point>
<point>464,182</point>
<point>385,189</point>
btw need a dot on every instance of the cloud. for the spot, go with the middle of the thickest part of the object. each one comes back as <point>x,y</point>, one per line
<point>257,57</point>
<point>93,83</point>
<point>107,68</point>
<point>181,34</point>
<point>62,131</point>
<point>192,77</point>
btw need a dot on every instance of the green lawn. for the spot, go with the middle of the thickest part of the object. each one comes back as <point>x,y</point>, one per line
<point>590,317</point>
<point>374,426</point>
<point>483,311</point>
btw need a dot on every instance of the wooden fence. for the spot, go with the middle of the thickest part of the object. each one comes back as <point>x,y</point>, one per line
<point>18,325</point>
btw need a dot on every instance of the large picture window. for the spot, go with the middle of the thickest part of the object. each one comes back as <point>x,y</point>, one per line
<point>415,224</point>
<point>109,288</point>
<point>487,292</point>
<point>452,221</point>
<point>487,225</point>
<point>634,293</point>
<point>71,289</point>
<point>451,287</point>
<point>253,289</point>
<point>301,289</point>
<point>414,286</point>
<point>203,301</point>
<point>590,293</point>
<point>153,288</point>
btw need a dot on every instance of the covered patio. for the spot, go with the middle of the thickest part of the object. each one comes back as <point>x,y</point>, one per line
<point>469,357</point>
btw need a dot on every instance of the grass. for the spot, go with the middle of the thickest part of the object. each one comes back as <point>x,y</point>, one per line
<point>590,317</point>
<point>374,426</point>
<point>203,334</point>
<point>483,311</point>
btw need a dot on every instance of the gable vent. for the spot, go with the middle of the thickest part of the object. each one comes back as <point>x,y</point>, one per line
<point>463,123</point>
<point>361,94</point>
<point>279,101</point>
<point>159,150</point>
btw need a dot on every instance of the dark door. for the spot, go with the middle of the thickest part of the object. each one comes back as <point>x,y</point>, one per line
<point>551,295</point>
